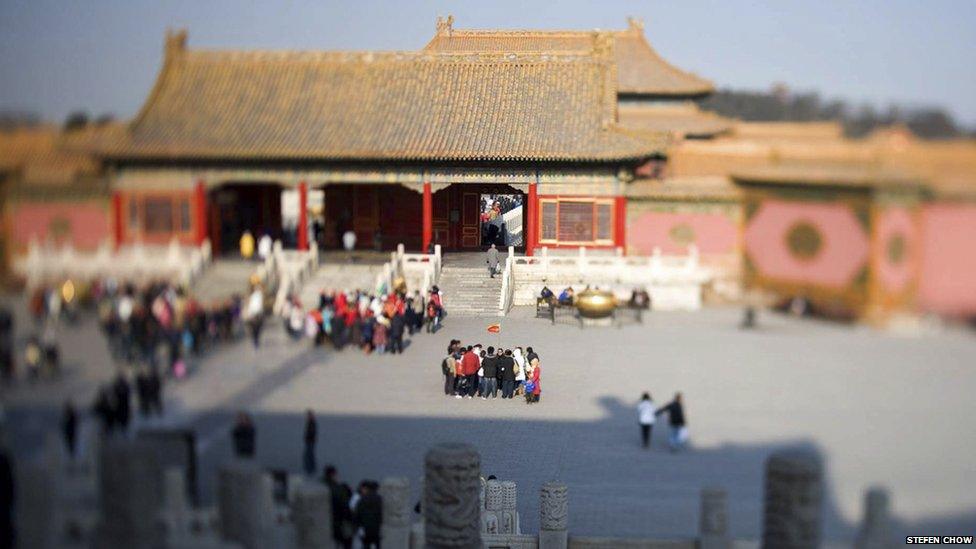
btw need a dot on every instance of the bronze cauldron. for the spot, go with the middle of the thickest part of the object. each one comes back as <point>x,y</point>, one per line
<point>595,303</point>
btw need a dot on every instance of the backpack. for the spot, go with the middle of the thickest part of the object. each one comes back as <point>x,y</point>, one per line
<point>445,367</point>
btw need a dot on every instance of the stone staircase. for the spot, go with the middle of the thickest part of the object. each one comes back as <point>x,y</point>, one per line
<point>469,291</point>
<point>224,278</point>
<point>344,276</point>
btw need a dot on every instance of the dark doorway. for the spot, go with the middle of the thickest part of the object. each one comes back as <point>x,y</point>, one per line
<point>235,208</point>
<point>501,220</point>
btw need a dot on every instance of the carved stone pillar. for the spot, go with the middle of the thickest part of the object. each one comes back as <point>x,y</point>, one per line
<point>245,504</point>
<point>509,523</point>
<point>792,517</point>
<point>875,531</point>
<point>714,520</point>
<point>494,502</point>
<point>396,512</point>
<point>312,516</point>
<point>450,505</point>
<point>553,516</point>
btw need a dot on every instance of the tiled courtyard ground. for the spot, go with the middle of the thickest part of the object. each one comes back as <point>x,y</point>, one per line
<point>881,409</point>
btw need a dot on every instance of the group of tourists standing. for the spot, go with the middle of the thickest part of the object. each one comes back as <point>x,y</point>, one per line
<point>373,323</point>
<point>472,370</point>
<point>647,413</point>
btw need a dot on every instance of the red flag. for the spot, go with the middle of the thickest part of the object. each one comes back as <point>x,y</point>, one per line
<point>495,328</point>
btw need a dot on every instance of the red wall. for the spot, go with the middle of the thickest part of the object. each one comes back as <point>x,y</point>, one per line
<point>714,233</point>
<point>84,223</point>
<point>948,271</point>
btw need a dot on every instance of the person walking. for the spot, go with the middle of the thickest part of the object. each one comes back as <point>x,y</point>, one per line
<point>492,260</point>
<point>368,515</point>
<point>247,245</point>
<point>122,403</point>
<point>645,417</point>
<point>311,436</point>
<point>255,314</point>
<point>678,436</point>
<point>69,428</point>
<point>342,525</point>
<point>244,436</point>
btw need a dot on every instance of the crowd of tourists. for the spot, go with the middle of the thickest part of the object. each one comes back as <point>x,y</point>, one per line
<point>473,371</point>
<point>372,322</point>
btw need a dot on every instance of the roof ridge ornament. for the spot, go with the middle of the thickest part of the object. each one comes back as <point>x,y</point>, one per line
<point>636,24</point>
<point>175,41</point>
<point>445,26</point>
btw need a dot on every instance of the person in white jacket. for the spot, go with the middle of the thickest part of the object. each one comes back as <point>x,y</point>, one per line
<point>520,364</point>
<point>645,417</point>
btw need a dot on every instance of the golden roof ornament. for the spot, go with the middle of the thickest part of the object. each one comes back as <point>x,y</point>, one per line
<point>175,40</point>
<point>636,24</point>
<point>445,25</point>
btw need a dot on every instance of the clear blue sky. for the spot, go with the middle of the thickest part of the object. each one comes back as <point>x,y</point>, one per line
<point>103,55</point>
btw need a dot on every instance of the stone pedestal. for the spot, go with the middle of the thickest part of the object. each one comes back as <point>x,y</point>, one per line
<point>793,507</point>
<point>509,520</point>
<point>175,512</point>
<point>553,516</point>
<point>396,512</point>
<point>131,494</point>
<point>312,515</point>
<point>245,504</point>
<point>713,524</point>
<point>875,531</point>
<point>35,506</point>
<point>450,504</point>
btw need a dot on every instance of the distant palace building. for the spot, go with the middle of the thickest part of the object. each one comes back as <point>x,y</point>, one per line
<point>596,136</point>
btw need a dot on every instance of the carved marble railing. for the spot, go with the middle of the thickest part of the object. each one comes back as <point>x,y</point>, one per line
<point>419,271</point>
<point>137,262</point>
<point>673,282</point>
<point>287,270</point>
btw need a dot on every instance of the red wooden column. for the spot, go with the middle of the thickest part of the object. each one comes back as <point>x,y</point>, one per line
<point>118,219</point>
<point>620,222</point>
<point>531,220</point>
<point>302,216</point>
<point>200,211</point>
<point>428,213</point>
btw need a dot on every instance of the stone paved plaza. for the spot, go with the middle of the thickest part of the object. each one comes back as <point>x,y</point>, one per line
<point>881,408</point>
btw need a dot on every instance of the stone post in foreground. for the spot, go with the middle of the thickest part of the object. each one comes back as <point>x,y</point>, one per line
<point>396,513</point>
<point>130,494</point>
<point>451,483</point>
<point>875,531</point>
<point>312,516</point>
<point>793,507</point>
<point>554,516</point>
<point>713,524</point>
<point>245,504</point>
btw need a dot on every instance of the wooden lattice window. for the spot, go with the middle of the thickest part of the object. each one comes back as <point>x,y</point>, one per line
<point>576,221</point>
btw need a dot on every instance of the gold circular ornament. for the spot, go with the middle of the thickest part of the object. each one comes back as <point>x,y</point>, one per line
<point>682,234</point>
<point>804,240</point>
<point>896,249</point>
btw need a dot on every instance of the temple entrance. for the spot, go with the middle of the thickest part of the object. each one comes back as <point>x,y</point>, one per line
<point>465,217</point>
<point>470,217</point>
<point>238,207</point>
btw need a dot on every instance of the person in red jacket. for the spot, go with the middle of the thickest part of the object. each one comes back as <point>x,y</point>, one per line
<point>470,365</point>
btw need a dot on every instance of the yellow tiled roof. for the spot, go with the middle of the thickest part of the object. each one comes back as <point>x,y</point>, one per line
<point>381,106</point>
<point>40,156</point>
<point>640,69</point>
<point>683,120</point>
